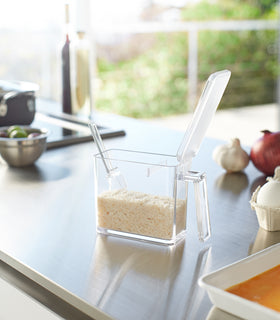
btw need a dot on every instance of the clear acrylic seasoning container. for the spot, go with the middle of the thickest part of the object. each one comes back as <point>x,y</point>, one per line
<point>151,203</point>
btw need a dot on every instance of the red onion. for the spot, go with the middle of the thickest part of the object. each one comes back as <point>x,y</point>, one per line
<point>265,152</point>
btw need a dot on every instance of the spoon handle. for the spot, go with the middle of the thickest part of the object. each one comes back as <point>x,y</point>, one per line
<point>204,112</point>
<point>100,145</point>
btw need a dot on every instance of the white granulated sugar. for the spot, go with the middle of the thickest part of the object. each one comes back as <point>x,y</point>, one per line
<point>140,213</point>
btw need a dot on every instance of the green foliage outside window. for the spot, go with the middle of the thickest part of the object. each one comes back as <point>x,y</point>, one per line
<point>155,82</point>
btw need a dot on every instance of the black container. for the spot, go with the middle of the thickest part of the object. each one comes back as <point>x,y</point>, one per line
<point>17,102</point>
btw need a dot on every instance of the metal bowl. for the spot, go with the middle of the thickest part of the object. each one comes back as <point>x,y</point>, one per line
<point>20,152</point>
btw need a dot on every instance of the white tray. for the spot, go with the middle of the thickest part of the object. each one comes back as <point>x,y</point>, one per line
<point>216,282</point>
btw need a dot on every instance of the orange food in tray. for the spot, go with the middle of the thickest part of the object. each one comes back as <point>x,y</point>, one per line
<point>263,288</point>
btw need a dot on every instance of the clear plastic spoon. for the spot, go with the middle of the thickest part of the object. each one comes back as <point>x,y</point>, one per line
<point>115,177</point>
<point>205,110</point>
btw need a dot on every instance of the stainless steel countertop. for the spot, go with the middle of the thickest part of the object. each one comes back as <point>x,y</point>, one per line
<point>47,232</point>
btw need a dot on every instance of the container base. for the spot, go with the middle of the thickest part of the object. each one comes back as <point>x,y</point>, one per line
<point>133,236</point>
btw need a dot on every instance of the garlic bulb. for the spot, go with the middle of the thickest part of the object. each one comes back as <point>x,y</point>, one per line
<point>231,156</point>
<point>269,193</point>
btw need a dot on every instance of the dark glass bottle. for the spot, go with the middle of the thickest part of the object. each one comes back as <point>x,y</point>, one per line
<point>66,85</point>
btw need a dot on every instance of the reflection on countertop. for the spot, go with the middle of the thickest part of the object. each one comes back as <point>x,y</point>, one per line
<point>218,314</point>
<point>234,182</point>
<point>36,173</point>
<point>117,263</point>
<point>259,181</point>
<point>264,239</point>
